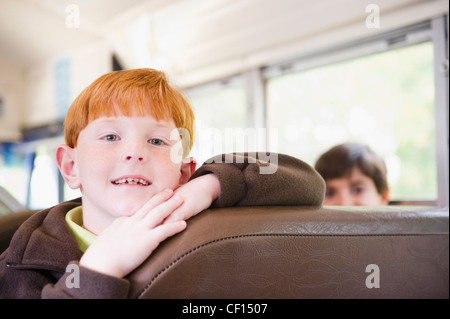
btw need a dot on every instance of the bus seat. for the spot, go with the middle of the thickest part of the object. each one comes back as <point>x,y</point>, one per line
<point>302,252</point>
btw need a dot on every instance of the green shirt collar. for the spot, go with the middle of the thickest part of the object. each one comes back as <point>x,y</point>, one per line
<point>83,237</point>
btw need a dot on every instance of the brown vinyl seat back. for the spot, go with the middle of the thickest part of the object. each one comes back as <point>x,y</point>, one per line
<point>302,252</point>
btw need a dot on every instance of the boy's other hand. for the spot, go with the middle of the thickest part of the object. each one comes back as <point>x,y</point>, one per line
<point>197,194</point>
<point>128,241</point>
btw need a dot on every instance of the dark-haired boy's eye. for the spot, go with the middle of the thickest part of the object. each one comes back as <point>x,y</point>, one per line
<point>357,190</point>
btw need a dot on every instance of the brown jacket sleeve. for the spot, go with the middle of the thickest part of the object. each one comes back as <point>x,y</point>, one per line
<point>254,179</point>
<point>90,285</point>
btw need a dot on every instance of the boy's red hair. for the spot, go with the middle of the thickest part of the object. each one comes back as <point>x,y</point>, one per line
<point>136,92</point>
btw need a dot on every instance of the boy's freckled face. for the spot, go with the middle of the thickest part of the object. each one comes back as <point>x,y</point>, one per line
<point>123,161</point>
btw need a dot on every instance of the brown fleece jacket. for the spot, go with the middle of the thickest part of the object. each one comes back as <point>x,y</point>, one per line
<point>253,180</point>
<point>34,265</point>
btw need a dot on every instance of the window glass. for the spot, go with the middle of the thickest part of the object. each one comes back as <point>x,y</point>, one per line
<point>44,180</point>
<point>220,117</point>
<point>385,100</point>
<point>15,171</point>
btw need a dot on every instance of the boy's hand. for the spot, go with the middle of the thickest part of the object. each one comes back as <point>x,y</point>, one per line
<point>197,195</point>
<point>128,241</point>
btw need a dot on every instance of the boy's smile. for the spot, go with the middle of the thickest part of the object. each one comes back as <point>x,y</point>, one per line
<point>132,180</point>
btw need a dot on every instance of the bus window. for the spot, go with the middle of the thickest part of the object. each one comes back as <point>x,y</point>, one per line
<point>220,113</point>
<point>15,167</point>
<point>385,100</point>
<point>44,181</point>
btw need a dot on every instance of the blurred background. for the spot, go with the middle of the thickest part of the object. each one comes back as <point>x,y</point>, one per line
<point>290,76</point>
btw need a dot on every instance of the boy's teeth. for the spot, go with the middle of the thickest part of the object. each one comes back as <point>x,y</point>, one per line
<point>132,181</point>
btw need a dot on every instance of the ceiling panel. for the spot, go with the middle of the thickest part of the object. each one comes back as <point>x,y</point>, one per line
<point>179,35</point>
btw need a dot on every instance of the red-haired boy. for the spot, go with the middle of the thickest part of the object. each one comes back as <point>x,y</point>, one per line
<point>119,151</point>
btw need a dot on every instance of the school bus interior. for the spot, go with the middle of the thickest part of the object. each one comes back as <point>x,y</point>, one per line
<point>285,76</point>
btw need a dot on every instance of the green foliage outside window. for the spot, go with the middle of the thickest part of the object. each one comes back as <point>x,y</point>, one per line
<point>385,100</point>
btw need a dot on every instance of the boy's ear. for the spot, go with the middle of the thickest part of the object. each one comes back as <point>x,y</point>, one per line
<point>385,197</point>
<point>188,166</point>
<point>65,158</point>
